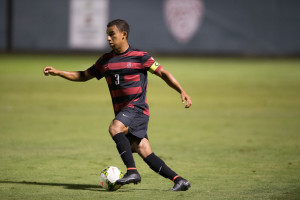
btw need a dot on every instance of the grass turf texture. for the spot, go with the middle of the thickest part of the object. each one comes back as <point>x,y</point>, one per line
<point>239,140</point>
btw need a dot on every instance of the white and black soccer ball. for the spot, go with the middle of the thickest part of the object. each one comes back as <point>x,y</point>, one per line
<point>108,178</point>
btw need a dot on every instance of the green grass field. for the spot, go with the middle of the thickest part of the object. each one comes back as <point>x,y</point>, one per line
<point>239,140</point>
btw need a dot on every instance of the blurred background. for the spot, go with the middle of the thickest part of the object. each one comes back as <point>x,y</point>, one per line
<point>190,27</point>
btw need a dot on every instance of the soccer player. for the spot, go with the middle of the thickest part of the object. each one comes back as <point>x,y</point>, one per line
<point>125,70</point>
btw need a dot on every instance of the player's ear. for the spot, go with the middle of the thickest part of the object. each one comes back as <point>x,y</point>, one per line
<point>124,35</point>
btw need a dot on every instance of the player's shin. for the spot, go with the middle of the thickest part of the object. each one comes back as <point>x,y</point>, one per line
<point>159,166</point>
<point>124,149</point>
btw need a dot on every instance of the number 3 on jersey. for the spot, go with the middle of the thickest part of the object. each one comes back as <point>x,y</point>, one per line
<point>117,79</point>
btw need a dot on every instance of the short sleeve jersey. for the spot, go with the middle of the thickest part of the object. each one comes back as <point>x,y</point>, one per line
<point>126,77</point>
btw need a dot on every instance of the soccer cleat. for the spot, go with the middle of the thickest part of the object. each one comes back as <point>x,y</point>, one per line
<point>181,185</point>
<point>129,178</point>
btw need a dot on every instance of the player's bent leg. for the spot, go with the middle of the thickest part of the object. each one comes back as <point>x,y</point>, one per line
<point>159,166</point>
<point>116,127</point>
<point>142,147</point>
<point>118,130</point>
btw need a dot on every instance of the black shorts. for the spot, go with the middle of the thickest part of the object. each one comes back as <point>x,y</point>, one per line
<point>136,121</point>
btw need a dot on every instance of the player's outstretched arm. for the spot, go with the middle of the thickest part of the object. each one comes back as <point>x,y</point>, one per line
<point>173,83</point>
<point>72,76</point>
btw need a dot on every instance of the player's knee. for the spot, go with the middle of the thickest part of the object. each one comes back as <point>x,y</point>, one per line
<point>113,130</point>
<point>116,128</point>
<point>144,148</point>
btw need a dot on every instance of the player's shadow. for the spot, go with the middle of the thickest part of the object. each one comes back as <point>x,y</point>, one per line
<point>70,186</point>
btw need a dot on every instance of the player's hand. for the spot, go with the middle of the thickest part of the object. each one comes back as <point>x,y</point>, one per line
<point>50,70</point>
<point>187,99</point>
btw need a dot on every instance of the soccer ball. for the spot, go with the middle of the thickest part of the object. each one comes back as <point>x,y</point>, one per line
<point>108,178</point>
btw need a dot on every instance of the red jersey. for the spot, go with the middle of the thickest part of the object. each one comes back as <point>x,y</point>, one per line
<point>126,77</point>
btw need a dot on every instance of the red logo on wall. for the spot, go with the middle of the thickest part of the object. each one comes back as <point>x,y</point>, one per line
<point>183,18</point>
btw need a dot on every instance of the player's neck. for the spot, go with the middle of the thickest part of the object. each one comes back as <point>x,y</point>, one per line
<point>122,48</point>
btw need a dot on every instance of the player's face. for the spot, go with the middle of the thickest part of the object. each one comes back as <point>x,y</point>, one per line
<point>115,38</point>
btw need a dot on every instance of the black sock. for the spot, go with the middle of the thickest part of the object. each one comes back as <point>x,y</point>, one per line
<point>159,166</point>
<point>124,149</point>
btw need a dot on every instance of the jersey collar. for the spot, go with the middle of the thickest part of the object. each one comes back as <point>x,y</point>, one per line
<point>129,48</point>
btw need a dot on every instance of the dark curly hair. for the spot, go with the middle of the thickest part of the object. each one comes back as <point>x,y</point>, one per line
<point>121,24</point>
